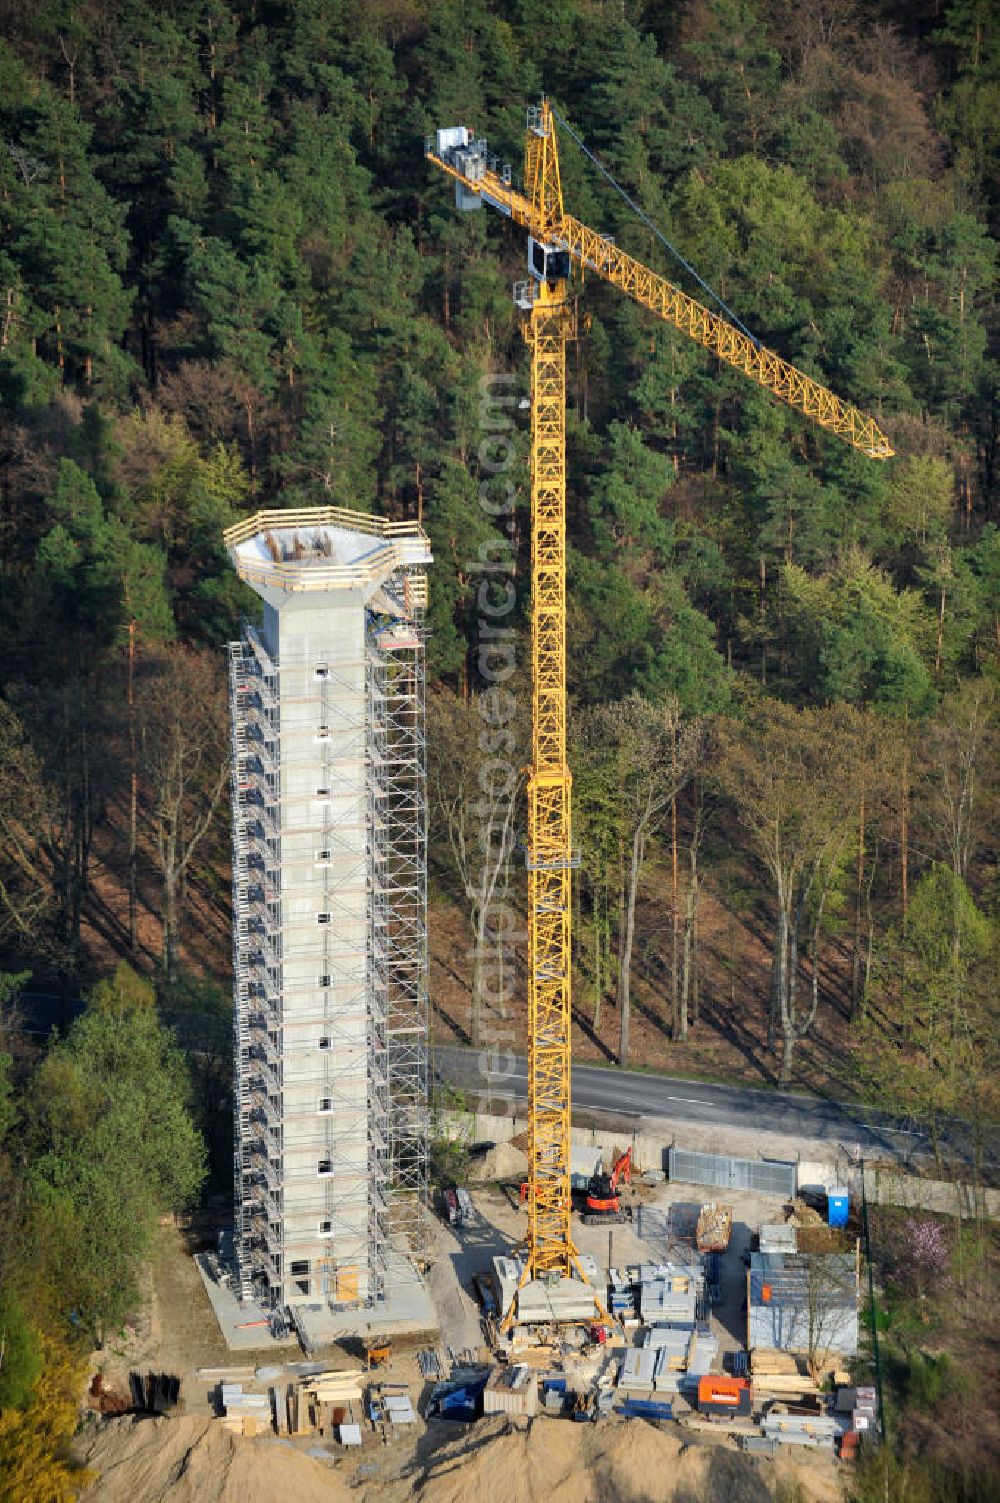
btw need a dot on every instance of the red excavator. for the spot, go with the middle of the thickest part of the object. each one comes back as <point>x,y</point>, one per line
<point>603,1202</point>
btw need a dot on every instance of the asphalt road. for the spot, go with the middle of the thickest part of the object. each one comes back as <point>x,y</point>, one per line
<point>632,1094</point>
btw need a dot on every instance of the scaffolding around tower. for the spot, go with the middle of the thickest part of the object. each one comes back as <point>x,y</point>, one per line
<point>329,908</point>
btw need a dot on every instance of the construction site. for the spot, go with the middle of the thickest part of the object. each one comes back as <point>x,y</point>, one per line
<point>500,725</point>
<point>691,1369</point>
<point>365,1312</point>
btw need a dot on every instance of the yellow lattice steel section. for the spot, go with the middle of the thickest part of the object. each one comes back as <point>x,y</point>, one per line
<point>542,180</point>
<point>718,335</point>
<point>549,851</point>
<point>600,255</point>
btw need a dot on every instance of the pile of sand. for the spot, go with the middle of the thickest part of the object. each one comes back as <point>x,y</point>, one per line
<point>627,1460</point>
<point>504,1161</point>
<point>193,1460</point>
<point>799,1213</point>
<point>190,1459</point>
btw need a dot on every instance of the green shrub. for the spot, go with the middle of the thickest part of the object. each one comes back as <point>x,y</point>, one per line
<point>20,1360</point>
<point>931,1379</point>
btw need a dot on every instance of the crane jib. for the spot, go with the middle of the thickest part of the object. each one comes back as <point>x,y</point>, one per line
<point>476,181</point>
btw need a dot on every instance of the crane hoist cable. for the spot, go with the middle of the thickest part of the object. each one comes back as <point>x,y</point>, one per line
<point>654,229</point>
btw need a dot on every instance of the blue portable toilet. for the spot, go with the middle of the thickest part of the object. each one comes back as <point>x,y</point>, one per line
<point>837,1205</point>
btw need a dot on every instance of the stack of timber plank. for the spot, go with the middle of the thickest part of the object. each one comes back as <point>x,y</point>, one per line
<point>325,1399</point>
<point>337,1387</point>
<point>245,1413</point>
<point>779,1373</point>
<point>279,1411</point>
<point>767,1360</point>
<point>322,1401</point>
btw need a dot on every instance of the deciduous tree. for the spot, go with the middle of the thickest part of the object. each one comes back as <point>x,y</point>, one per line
<point>931,1051</point>
<point>185,758</point>
<point>794,778</point>
<point>644,753</point>
<point>475,754</point>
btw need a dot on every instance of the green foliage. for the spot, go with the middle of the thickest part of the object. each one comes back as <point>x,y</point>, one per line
<point>448,1148</point>
<point>121,995</point>
<point>20,1360</point>
<point>201,1011</point>
<point>636,623</point>
<point>935,1059</point>
<point>251,221</point>
<point>870,642</point>
<point>946,931</point>
<point>65,245</point>
<point>930,1379</point>
<point>921,500</point>
<point>112,1145</point>
<point>89,568</point>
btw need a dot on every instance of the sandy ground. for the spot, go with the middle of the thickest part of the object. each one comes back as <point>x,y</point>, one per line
<point>193,1460</point>
<point>177,1332</point>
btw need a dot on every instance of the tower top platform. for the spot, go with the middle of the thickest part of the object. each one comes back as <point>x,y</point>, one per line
<point>323,548</point>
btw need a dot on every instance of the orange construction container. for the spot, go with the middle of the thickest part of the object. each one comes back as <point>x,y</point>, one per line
<point>718,1394</point>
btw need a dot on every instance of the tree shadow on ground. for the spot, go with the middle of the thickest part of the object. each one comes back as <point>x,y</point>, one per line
<point>587,1029</point>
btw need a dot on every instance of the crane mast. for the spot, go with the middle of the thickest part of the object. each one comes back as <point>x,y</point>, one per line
<point>549,853</point>
<point>556,241</point>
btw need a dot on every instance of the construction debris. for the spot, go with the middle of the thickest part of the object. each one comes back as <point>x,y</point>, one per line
<point>106,1400</point>
<point>714,1227</point>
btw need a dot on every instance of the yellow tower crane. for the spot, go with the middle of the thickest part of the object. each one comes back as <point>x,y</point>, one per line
<point>557,242</point>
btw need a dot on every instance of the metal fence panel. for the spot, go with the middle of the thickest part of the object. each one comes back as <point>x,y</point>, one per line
<point>769,1176</point>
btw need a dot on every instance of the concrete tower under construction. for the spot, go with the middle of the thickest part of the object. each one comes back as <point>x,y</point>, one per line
<point>329,907</point>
